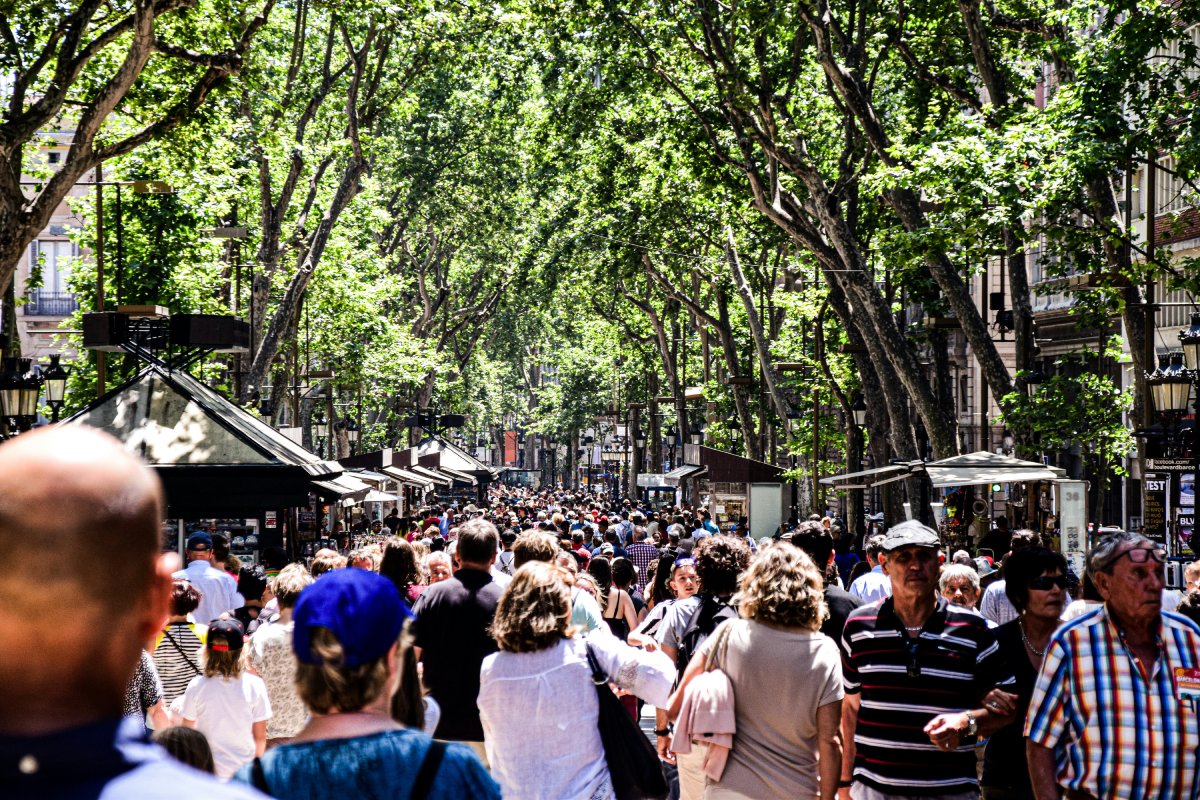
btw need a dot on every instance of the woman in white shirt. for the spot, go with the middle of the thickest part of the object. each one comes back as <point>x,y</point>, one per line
<point>537,701</point>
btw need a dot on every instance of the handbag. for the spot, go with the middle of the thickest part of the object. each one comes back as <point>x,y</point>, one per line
<point>633,763</point>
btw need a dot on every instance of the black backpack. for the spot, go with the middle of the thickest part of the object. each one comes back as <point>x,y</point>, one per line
<point>704,620</point>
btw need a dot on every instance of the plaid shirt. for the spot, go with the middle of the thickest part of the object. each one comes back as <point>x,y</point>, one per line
<point>1116,732</point>
<point>642,554</point>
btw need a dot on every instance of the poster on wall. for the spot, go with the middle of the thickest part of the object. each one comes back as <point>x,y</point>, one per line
<point>1156,509</point>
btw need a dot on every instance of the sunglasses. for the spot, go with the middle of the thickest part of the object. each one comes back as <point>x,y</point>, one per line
<point>914,665</point>
<point>1043,583</point>
<point>1140,555</point>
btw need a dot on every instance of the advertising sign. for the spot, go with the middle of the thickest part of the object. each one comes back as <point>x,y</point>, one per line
<point>1156,505</point>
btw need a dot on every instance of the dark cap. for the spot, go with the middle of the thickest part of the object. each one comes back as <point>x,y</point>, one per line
<point>362,609</point>
<point>199,541</point>
<point>909,533</point>
<point>225,635</point>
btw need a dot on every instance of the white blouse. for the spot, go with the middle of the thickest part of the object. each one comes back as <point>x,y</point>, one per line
<point>540,712</point>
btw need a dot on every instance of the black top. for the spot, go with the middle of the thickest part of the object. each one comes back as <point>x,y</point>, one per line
<point>840,603</point>
<point>1004,763</point>
<point>452,631</point>
<point>905,682</point>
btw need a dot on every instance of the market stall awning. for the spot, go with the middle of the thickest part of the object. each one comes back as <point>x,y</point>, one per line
<point>214,458</point>
<point>970,469</point>
<point>406,477</point>
<point>683,473</point>
<point>432,475</point>
<point>462,477</point>
<point>343,487</point>
<point>981,468</point>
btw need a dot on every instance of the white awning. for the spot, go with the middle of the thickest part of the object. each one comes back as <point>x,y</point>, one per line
<point>406,477</point>
<point>432,476</point>
<point>682,473</point>
<point>345,487</point>
<point>971,469</point>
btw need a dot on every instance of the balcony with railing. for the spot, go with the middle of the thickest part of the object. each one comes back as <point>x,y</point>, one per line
<point>46,303</point>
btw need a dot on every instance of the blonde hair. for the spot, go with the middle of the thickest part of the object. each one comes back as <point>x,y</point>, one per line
<point>535,610</point>
<point>783,587</point>
<point>287,585</point>
<point>328,686</point>
<point>224,663</point>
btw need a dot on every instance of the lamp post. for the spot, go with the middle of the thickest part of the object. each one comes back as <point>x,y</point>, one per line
<point>858,407</point>
<point>20,385</point>
<point>54,378</point>
<point>671,437</point>
<point>320,430</point>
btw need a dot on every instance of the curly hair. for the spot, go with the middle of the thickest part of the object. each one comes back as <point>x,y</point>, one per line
<point>535,610</point>
<point>288,584</point>
<point>720,561</point>
<point>783,587</point>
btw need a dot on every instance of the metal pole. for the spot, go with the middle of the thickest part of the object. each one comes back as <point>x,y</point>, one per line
<point>100,365</point>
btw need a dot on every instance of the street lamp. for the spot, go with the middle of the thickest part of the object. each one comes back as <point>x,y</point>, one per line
<point>1190,339</point>
<point>54,378</point>
<point>859,409</point>
<point>1170,385</point>
<point>20,385</point>
<point>320,429</point>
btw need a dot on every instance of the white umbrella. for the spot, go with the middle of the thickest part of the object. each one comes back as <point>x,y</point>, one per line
<point>376,496</point>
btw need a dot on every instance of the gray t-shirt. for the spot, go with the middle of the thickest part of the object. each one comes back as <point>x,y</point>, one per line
<point>675,620</point>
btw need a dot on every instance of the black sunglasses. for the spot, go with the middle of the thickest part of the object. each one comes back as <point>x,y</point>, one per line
<point>914,665</point>
<point>1043,583</point>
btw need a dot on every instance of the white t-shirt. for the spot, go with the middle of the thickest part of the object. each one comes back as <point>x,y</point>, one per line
<point>225,710</point>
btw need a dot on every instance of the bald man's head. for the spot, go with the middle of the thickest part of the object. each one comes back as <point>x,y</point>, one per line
<point>76,493</point>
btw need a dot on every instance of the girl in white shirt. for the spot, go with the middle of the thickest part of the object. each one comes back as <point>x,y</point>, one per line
<point>228,705</point>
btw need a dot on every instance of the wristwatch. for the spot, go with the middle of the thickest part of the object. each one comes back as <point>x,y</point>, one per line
<point>662,731</point>
<point>972,725</point>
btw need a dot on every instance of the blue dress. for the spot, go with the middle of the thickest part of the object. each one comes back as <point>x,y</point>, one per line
<point>374,767</point>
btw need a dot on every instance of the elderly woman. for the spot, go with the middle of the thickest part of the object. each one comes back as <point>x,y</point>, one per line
<point>776,651</point>
<point>1036,584</point>
<point>959,584</point>
<point>439,566</point>
<point>537,702</point>
<point>348,641</point>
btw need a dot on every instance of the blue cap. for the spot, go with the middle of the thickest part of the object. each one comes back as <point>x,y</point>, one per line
<point>363,610</point>
<point>199,541</point>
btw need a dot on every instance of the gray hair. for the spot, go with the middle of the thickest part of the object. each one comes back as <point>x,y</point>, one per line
<point>639,533</point>
<point>1102,556</point>
<point>438,557</point>
<point>953,571</point>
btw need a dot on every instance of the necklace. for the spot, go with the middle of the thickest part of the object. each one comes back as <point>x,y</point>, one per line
<point>914,628</point>
<point>1029,644</point>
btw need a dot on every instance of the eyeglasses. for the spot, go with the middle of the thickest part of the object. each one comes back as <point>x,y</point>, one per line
<point>1043,583</point>
<point>1140,555</point>
<point>914,665</point>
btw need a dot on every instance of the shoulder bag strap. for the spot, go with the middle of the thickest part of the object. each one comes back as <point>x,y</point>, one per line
<point>598,676</point>
<point>428,771</point>
<point>717,653</point>
<point>258,777</point>
<point>183,653</point>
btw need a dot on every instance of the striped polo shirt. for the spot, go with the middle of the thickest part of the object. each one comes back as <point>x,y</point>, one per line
<point>905,682</point>
<point>1117,731</point>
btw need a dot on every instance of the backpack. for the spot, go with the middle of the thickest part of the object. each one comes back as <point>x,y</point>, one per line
<point>505,566</point>
<point>704,620</point>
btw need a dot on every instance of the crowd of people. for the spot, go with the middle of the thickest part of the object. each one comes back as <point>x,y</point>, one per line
<point>479,651</point>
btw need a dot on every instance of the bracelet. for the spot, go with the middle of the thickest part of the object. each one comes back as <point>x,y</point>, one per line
<point>662,731</point>
<point>846,784</point>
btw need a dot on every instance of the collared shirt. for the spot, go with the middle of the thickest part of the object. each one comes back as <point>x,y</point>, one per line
<point>1118,732</point>
<point>995,604</point>
<point>108,760</point>
<point>905,682</point>
<point>642,554</point>
<point>218,590</point>
<point>873,586</point>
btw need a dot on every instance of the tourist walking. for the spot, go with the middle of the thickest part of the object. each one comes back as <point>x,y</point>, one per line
<point>551,748</point>
<point>784,750</point>
<point>347,640</point>
<point>1110,716</point>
